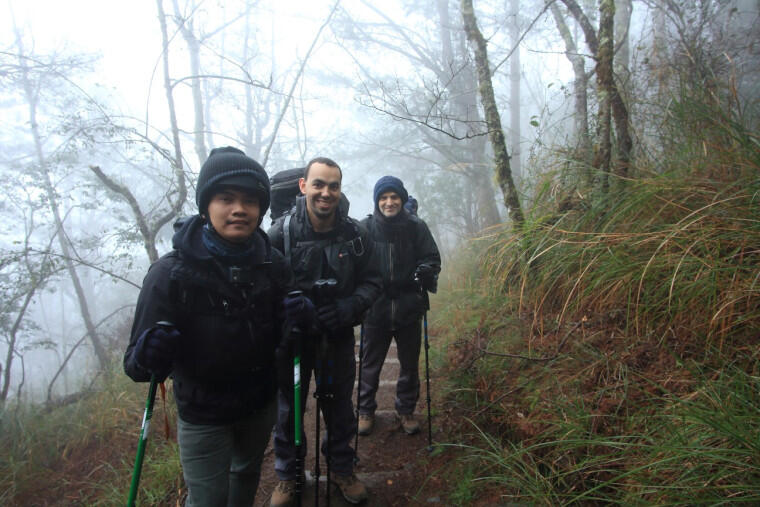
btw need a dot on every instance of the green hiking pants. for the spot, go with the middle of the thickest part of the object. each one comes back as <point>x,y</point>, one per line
<point>221,463</point>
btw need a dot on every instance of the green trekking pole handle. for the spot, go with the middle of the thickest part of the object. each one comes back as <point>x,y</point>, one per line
<point>297,417</point>
<point>144,430</point>
<point>141,443</point>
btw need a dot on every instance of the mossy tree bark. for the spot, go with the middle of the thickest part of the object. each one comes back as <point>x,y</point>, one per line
<point>610,101</point>
<point>493,119</point>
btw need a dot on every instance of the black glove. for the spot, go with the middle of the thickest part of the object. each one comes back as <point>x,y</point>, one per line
<point>426,276</point>
<point>299,311</point>
<point>156,349</point>
<point>341,313</point>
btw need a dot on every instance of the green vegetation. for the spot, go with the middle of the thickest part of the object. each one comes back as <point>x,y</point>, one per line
<point>608,353</point>
<point>83,453</point>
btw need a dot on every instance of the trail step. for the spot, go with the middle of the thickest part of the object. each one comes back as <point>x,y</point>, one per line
<point>381,384</point>
<point>369,479</point>
<point>388,360</point>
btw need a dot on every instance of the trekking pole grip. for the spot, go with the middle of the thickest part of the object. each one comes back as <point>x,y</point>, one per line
<point>145,428</point>
<point>297,417</point>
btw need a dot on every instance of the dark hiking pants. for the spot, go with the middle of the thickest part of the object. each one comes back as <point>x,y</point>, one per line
<point>377,341</point>
<point>343,424</point>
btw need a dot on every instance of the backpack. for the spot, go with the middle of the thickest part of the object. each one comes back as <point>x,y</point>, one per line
<point>284,190</point>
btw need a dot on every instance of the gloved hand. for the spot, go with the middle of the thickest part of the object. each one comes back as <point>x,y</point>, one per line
<point>299,311</point>
<point>156,349</point>
<point>341,313</point>
<point>426,275</point>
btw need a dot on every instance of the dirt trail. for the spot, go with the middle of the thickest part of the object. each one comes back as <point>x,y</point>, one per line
<point>391,464</point>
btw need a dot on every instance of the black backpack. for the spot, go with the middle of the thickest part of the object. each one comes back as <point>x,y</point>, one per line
<point>284,190</point>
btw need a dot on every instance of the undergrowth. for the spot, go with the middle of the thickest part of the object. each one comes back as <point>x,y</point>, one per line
<point>83,453</point>
<point>607,353</point>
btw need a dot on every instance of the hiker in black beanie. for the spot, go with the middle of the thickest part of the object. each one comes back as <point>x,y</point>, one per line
<point>223,290</point>
<point>406,250</point>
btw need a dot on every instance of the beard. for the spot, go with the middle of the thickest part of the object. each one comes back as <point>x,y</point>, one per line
<point>322,213</point>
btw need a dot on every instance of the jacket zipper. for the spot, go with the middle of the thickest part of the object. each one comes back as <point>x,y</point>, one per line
<point>247,317</point>
<point>393,301</point>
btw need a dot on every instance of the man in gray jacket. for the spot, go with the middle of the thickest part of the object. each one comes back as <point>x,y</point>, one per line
<point>410,263</point>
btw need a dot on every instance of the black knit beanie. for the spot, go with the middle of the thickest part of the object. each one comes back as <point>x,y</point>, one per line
<point>229,166</point>
<point>390,184</point>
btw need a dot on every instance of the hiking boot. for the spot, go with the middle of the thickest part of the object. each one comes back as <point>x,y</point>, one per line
<point>284,494</point>
<point>351,487</point>
<point>366,423</point>
<point>409,425</point>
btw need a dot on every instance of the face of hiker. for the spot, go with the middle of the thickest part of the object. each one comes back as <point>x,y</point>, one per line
<point>389,204</point>
<point>322,191</point>
<point>234,214</point>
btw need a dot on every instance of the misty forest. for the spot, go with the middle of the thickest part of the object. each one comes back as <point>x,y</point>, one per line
<point>590,170</point>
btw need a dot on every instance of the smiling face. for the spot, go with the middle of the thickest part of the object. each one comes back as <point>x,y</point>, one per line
<point>234,214</point>
<point>322,191</point>
<point>389,204</point>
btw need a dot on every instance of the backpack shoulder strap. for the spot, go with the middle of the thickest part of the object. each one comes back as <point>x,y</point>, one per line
<point>286,237</point>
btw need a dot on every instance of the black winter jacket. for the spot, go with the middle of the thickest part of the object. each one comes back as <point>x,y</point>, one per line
<point>345,253</point>
<point>224,369</point>
<point>401,244</point>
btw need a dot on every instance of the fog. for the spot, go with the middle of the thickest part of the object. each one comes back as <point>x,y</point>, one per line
<point>381,88</point>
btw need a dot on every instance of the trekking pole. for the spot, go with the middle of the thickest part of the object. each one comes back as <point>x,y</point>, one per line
<point>297,417</point>
<point>427,381</point>
<point>418,279</point>
<point>358,391</point>
<point>323,292</point>
<point>328,414</point>
<point>145,428</point>
<point>317,396</point>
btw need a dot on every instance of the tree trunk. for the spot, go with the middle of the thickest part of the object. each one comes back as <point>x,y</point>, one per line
<point>604,83</point>
<point>493,120</point>
<point>149,230</point>
<point>610,101</point>
<point>254,122</point>
<point>148,234</point>
<point>463,83</point>
<point>514,91</point>
<point>12,344</point>
<point>659,58</point>
<point>580,90</point>
<point>178,164</point>
<point>193,46</point>
<point>619,109</point>
<point>52,197</point>
<point>289,96</point>
<point>623,10</point>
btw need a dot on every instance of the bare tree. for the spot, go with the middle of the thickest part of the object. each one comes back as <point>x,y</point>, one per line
<point>31,81</point>
<point>580,87</point>
<point>28,277</point>
<point>441,112</point>
<point>150,223</point>
<point>611,104</point>
<point>148,227</point>
<point>289,96</point>
<point>514,90</point>
<point>178,161</point>
<point>185,25</point>
<point>493,119</point>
